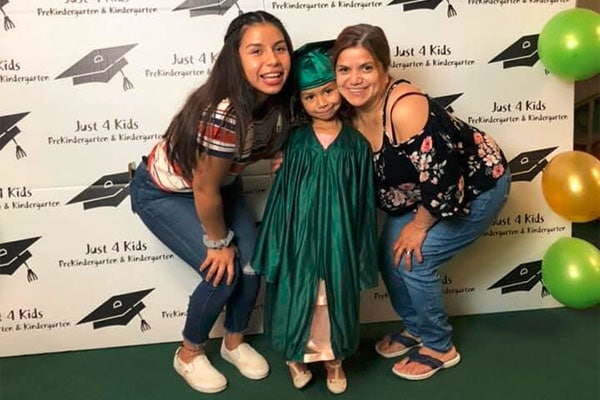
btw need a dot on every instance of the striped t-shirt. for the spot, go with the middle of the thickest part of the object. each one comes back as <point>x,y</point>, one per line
<point>217,137</point>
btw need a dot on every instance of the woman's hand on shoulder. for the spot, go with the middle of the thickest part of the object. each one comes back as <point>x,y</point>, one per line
<point>220,264</point>
<point>409,115</point>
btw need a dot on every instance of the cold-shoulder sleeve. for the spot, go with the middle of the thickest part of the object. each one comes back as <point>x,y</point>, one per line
<point>441,179</point>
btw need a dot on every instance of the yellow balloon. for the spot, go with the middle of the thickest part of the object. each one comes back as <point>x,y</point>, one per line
<point>571,186</point>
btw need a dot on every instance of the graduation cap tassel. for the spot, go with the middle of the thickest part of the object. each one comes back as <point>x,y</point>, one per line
<point>20,152</point>
<point>31,276</point>
<point>451,10</point>
<point>8,24</point>
<point>144,325</point>
<point>545,291</point>
<point>126,82</point>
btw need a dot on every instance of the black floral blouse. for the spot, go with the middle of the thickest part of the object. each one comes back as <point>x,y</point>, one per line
<point>443,168</point>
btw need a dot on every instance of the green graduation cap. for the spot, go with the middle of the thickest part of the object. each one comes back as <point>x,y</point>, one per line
<point>313,65</point>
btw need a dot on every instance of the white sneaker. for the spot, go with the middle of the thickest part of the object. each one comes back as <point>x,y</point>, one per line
<point>200,374</point>
<point>247,360</point>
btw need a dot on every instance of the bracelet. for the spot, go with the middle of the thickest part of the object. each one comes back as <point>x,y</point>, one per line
<point>218,244</point>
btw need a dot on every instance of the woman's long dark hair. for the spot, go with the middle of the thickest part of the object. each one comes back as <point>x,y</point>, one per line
<point>226,80</point>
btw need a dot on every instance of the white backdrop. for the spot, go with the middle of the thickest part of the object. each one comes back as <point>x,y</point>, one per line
<point>78,269</point>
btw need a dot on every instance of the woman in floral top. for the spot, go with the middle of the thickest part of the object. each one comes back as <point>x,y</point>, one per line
<point>441,183</point>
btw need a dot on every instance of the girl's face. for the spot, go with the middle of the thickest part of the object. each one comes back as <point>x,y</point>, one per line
<point>265,58</point>
<point>322,102</point>
<point>361,79</point>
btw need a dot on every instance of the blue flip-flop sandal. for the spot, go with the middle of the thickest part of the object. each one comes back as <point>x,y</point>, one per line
<point>432,362</point>
<point>408,343</point>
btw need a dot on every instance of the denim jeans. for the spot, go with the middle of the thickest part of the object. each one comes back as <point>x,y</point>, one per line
<point>172,218</point>
<point>416,295</point>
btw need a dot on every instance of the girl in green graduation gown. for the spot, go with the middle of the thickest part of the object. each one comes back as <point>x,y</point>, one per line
<point>317,241</point>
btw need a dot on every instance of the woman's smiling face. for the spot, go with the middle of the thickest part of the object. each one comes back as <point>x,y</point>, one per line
<point>360,78</point>
<point>265,58</point>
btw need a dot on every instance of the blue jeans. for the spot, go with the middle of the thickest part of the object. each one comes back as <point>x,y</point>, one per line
<point>416,295</point>
<point>172,218</point>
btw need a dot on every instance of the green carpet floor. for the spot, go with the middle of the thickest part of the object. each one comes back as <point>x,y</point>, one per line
<point>543,354</point>
<point>551,354</point>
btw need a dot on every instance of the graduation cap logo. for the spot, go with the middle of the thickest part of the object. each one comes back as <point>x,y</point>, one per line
<point>100,65</point>
<point>445,101</point>
<point>208,7</point>
<point>522,53</point>
<point>409,5</point>
<point>526,166</point>
<point>14,254</point>
<point>8,131</point>
<point>521,279</point>
<point>8,24</point>
<point>119,310</point>
<point>108,191</point>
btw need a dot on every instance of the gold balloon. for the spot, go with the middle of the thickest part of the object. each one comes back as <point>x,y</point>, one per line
<point>571,186</point>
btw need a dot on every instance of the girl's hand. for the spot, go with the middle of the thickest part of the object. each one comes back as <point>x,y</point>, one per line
<point>408,244</point>
<point>219,262</point>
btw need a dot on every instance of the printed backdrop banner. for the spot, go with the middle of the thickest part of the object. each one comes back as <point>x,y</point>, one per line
<point>87,86</point>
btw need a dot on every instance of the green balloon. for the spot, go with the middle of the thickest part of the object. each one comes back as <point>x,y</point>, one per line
<point>569,44</point>
<point>571,272</point>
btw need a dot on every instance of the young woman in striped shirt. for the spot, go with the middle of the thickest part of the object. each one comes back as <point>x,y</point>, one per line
<point>188,190</point>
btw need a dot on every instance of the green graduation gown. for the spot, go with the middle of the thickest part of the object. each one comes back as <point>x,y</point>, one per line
<point>319,223</point>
